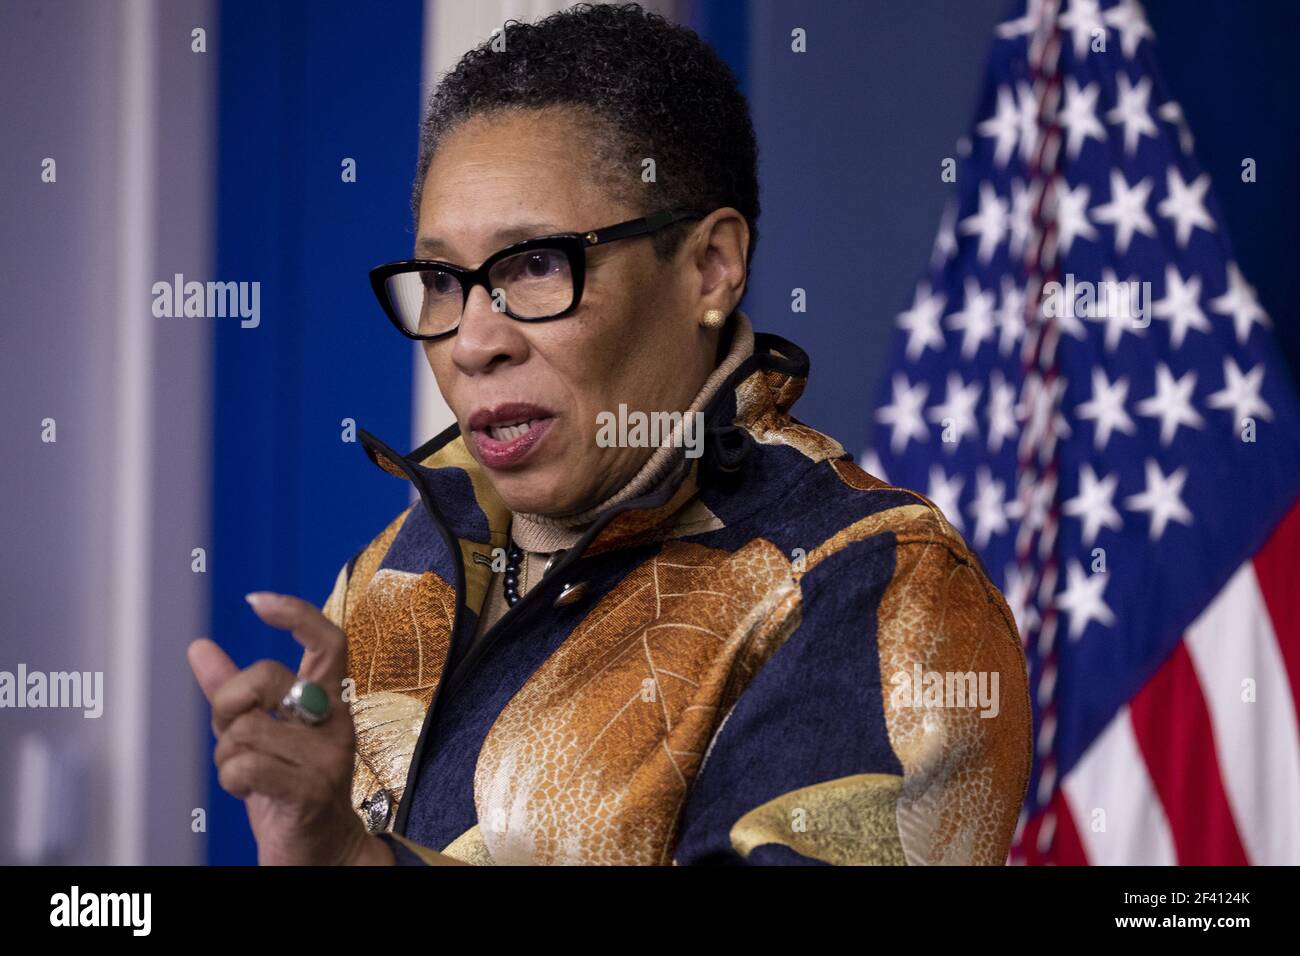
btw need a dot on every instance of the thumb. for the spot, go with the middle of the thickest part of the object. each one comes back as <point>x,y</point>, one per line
<point>211,665</point>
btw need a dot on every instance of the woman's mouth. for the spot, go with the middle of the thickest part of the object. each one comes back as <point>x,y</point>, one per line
<point>511,432</point>
<point>507,435</point>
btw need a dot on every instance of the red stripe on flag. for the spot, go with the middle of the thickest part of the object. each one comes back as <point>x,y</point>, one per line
<point>1172,725</point>
<point>1064,848</point>
<point>1277,569</point>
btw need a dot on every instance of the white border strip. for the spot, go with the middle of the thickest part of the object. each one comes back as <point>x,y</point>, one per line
<point>127,686</point>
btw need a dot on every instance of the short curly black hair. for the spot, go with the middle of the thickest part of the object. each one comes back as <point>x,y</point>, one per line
<point>649,88</point>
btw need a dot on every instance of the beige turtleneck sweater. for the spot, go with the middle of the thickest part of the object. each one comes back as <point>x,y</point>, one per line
<point>541,536</point>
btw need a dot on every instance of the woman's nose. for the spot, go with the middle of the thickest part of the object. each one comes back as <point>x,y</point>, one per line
<point>486,337</point>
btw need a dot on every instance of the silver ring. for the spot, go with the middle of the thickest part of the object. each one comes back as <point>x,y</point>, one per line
<point>306,701</point>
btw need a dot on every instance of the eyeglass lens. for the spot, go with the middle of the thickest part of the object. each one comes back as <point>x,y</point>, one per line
<point>533,284</point>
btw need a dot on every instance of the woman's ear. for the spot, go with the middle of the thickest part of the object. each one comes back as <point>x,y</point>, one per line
<point>719,250</point>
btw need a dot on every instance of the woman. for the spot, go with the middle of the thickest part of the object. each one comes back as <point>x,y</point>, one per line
<point>588,642</point>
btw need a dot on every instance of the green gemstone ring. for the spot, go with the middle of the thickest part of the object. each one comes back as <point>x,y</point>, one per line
<point>307,701</point>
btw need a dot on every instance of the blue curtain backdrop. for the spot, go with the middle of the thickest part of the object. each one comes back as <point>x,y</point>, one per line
<point>851,134</point>
<point>302,87</point>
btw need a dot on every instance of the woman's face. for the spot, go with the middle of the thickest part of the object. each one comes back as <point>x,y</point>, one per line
<point>635,339</point>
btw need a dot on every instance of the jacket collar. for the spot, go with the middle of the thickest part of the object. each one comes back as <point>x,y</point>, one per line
<point>747,408</point>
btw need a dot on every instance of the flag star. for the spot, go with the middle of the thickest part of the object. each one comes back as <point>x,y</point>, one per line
<point>1106,407</point>
<point>945,492</point>
<point>1017,593</point>
<point>989,223</point>
<point>1023,199</point>
<point>1185,205</point>
<point>903,414</point>
<point>945,240</point>
<point>1011,316</point>
<point>1003,126</point>
<point>958,407</point>
<point>1028,120</point>
<point>1171,112</point>
<point>1082,599</point>
<point>975,320</point>
<point>1172,403</point>
<point>1126,210</point>
<point>1001,411</point>
<point>1040,409</point>
<point>921,322</point>
<point>1072,217</point>
<point>1079,116</point>
<point>1127,19</point>
<point>1241,392</point>
<point>1181,306</point>
<point>1019,27</point>
<point>1240,303</point>
<point>1162,499</point>
<point>988,507</point>
<point>1093,504</point>
<point>1133,112</point>
<point>1022,26</point>
<point>1083,20</point>
<point>1031,506</point>
<point>870,463</point>
<point>1115,306</point>
<point>1066,309</point>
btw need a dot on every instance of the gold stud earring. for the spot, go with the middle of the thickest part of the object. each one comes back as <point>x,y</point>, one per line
<point>713,319</point>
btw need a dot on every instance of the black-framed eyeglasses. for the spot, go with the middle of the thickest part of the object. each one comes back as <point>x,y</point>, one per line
<point>532,281</point>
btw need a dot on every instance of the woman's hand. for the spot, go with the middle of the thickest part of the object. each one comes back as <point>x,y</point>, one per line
<point>295,780</point>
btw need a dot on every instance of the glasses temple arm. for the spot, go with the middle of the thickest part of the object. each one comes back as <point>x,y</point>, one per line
<point>637,227</point>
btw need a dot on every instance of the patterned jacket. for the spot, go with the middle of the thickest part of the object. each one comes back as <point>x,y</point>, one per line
<point>780,660</point>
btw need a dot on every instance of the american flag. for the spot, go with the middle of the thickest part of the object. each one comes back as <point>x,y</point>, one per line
<point>1088,386</point>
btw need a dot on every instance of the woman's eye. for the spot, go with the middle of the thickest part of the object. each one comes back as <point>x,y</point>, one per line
<point>541,264</point>
<point>440,283</point>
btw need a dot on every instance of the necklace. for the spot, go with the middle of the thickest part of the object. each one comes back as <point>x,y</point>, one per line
<point>511,583</point>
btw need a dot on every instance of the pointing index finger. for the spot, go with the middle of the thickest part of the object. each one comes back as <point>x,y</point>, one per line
<point>325,659</point>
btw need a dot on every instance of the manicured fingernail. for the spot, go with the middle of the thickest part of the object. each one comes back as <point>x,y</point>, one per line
<point>261,600</point>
